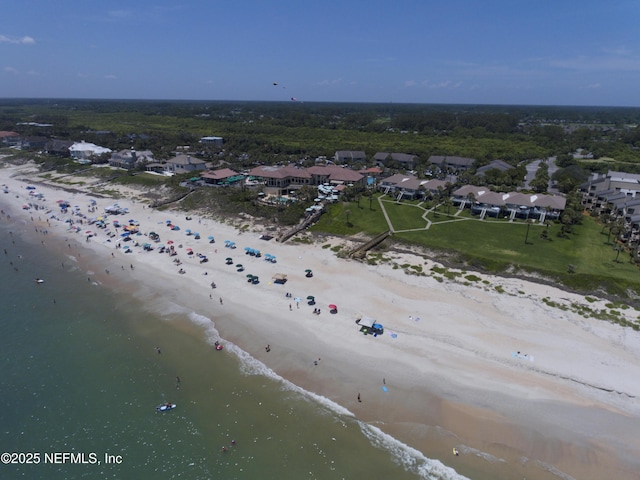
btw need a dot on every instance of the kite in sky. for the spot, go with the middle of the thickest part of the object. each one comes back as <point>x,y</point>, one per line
<point>276,84</point>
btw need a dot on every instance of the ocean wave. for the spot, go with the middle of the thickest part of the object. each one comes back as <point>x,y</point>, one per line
<point>411,459</point>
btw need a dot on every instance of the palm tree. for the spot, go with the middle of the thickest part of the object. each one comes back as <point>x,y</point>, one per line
<point>618,248</point>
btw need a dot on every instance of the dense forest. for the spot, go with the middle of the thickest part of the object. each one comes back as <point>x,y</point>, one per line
<point>606,138</point>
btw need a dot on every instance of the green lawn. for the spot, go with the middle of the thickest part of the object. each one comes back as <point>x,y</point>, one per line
<point>494,244</point>
<point>405,215</point>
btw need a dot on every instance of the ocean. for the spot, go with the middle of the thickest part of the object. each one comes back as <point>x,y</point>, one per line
<point>85,365</point>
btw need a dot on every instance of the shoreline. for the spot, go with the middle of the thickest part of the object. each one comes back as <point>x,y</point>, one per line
<point>452,379</point>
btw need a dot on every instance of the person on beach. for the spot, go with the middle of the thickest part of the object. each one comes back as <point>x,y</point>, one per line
<point>220,300</point>
<point>359,400</point>
<point>158,350</point>
<point>267,348</point>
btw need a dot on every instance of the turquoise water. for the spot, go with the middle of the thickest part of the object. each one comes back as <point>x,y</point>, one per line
<point>81,374</point>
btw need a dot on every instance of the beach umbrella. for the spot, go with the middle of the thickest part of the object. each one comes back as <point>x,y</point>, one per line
<point>311,297</point>
<point>170,242</point>
<point>332,307</point>
<point>238,265</point>
<point>297,299</point>
<point>168,222</point>
<point>249,275</point>
<point>229,259</point>
<point>307,270</point>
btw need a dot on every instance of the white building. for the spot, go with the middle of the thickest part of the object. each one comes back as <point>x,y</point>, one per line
<point>85,150</point>
<point>215,141</point>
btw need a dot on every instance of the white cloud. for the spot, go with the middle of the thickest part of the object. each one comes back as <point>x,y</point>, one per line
<point>110,77</point>
<point>10,70</point>
<point>26,40</point>
<point>592,86</point>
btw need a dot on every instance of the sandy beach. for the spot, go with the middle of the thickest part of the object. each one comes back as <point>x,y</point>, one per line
<point>497,373</point>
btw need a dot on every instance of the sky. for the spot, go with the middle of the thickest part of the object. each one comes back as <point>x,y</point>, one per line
<point>538,52</point>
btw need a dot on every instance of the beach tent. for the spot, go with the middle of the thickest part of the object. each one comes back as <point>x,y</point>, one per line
<point>279,278</point>
<point>369,325</point>
<point>366,322</point>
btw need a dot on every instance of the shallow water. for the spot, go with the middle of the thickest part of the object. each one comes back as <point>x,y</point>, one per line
<point>83,375</point>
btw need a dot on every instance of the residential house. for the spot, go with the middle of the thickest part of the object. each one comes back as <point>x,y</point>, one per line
<point>130,159</point>
<point>283,178</point>
<point>221,177</point>
<point>335,175</point>
<point>9,139</point>
<point>601,190</point>
<point>499,165</point>
<point>34,143</point>
<point>185,164</point>
<point>403,185</point>
<point>59,148</point>
<point>85,151</point>
<point>212,141</point>
<point>455,163</point>
<point>349,156</point>
<point>513,204</point>
<point>406,160</point>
